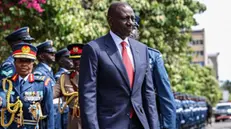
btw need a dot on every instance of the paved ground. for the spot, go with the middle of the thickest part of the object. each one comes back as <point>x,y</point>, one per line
<point>220,125</point>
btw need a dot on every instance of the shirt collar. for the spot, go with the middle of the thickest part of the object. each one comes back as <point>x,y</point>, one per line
<point>25,78</point>
<point>117,39</point>
<point>65,70</point>
<point>45,65</point>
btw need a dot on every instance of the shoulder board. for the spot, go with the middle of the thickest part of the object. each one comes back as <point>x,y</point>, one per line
<point>153,50</point>
<point>39,78</point>
<point>7,69</point>
<point>37,73</point>
<point>6,64</point>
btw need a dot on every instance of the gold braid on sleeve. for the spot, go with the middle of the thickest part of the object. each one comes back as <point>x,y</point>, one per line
<point>12,108</point>
<point>69,97</point>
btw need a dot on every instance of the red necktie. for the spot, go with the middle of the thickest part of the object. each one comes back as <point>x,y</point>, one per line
<point>129,68</point>
<point>127,63</point>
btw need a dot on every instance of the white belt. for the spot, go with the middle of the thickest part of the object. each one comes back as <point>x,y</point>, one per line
<point>56,101</point>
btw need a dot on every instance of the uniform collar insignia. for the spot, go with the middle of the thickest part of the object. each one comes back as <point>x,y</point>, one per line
<point>72,75</point>
<point>31,77</point>
<point>14,77</point>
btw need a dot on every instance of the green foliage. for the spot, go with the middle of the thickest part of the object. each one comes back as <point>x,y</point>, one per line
<point>165,25</point>
<point>227,85</point>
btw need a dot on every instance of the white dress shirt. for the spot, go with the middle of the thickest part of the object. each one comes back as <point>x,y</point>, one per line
<point>118,42</point>
<point>25,78</point>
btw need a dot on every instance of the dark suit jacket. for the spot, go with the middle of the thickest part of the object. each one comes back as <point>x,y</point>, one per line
<point>105,94</point>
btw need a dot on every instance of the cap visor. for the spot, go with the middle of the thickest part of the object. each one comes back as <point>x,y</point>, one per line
<point>26,56</point>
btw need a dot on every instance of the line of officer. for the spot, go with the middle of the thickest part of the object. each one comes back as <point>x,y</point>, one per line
<point>191,111</point>
<point>67,87</point>
<point>7,68</point>
<point>46,58</point>
<point>65,65</point>
<point>26,97</point>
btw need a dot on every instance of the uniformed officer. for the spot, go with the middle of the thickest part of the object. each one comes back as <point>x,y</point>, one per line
<point>26,98</point>
<point>65,64</point>
<point>7,68</point>
<point>165,99</point>
<point>67,86</point>
<point>46,57</point>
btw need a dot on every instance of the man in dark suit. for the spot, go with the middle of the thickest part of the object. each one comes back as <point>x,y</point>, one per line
<point>115,84</point>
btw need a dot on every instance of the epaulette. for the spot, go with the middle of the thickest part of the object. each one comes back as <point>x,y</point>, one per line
<point>154,50</point>
<point>7,69</point>
<point>39,78</point>
<point>37,73</point>
<point>5,64</point>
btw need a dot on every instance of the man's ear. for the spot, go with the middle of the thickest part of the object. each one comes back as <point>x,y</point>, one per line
<point>109,20</point>
<point>41,56</point>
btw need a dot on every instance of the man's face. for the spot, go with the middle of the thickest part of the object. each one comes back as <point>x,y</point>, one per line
<point>76,63</point>
<point>121,21</point>
<point>48,57</point>
<point>23,66</point>
<point>66,62</point>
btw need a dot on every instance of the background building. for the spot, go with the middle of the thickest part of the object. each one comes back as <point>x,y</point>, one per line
<point>197,44</point>
<point>199,55</point>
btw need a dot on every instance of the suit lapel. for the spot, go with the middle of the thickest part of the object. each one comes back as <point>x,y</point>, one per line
<point>136,58</point>
<point>115,57</point>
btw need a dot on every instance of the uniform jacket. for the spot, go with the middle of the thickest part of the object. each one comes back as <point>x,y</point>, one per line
<point>61,71</point>
<point>40,69</point>
<point>70,85</point>
<point>165,99</point>
<point>106,98</point>
<point>34,86</point>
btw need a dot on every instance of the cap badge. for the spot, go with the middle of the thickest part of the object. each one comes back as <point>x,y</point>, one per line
<point>25,49</point>
<point>75,49</point>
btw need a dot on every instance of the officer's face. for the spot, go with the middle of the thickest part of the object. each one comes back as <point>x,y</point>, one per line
<point>76,63</point>
<point>49,57</point>
<point>121,21</point>
<point>66,63</point>
<point>23,66</point>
